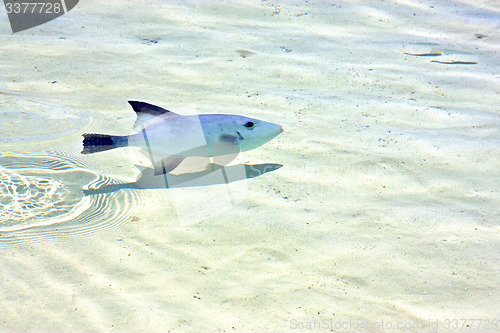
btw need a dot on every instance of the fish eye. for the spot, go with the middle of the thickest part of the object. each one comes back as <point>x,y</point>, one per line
<point>249,124</point>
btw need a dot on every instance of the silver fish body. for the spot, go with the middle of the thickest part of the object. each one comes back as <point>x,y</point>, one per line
<point>170,137</point>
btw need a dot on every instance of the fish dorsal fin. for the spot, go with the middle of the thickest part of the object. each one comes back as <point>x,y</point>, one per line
<point>153,110</point>
<point>145,112</point>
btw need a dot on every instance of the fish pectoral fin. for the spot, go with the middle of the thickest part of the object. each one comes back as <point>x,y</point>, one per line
<point>167,164</point>
<point>230,138</point>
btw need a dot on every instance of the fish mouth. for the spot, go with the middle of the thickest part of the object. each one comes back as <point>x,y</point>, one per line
<point>239,134</point>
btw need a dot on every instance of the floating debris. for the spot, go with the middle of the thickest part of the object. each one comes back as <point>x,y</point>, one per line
<point>150,40</point>
<point>245,53</point>
<point>455,62</point>
<point>430,54</point>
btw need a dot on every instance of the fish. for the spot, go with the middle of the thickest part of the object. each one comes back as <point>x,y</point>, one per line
<point>168,138</point>
<point>453,62</point>
<point>430,54</point>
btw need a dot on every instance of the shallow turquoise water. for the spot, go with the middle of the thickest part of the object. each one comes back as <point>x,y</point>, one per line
<point>386,207</point>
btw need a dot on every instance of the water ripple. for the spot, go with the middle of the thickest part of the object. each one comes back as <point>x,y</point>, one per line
<point>41,198</point>
<point>20,112</point>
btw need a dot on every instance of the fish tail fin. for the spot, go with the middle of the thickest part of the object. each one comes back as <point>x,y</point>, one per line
<point>93,143</point>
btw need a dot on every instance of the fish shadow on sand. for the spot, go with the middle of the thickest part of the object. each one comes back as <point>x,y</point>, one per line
<point>214,174</point>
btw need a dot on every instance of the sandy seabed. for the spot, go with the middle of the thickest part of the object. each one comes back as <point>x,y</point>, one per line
<point>384,216</point>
